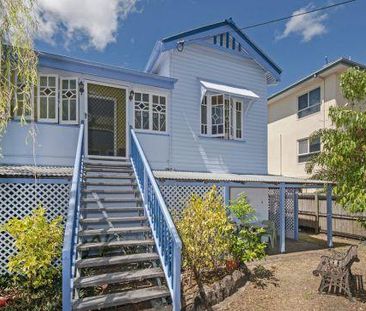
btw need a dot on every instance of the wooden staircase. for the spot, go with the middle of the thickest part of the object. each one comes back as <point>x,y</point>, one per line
<point>117,265</point>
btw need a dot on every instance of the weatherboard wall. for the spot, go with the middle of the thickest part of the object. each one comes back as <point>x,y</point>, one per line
<point>189,150</point>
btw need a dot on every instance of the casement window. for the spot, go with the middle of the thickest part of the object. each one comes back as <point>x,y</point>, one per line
<point>307,148</point>
<point>47,98</point>
<point>150,112</point>
<point>222,116</point>
<point>23,102</point>
<point>69,101</point>
<point>308,103</point>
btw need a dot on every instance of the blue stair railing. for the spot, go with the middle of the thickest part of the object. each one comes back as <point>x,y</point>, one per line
<point>72,225</point>
<point>168,243</point>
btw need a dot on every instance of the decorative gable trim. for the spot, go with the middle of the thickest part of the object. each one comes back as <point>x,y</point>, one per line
<point>227,36</point>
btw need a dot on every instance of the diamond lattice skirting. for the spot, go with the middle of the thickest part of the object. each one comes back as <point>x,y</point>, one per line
<point>19,199</point>
<point>274,210</point>
<point>177,196</point>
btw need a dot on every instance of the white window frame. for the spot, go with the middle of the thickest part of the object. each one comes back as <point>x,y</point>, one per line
<point>48,120</point>
<point>151,130</point>
<point>232,117</point>
<point>308,107</point>
<point>77,102</point>
<point>308,153</point>
<point>26,117</point>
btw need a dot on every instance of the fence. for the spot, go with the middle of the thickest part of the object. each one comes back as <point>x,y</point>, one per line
<point>19,197</point>
<point>312,214</point>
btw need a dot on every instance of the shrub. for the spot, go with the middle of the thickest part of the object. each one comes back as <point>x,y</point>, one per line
<point>38,243</point>
<point>205,231</point>
<point>246,242</point>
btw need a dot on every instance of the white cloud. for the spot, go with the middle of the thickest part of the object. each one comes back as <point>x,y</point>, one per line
<point>92,21</point>
<point>308,25</point>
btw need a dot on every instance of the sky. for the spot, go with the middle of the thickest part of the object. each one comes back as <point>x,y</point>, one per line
<point>123,32</point>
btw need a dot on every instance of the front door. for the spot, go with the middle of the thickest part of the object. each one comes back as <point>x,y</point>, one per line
<point>106,121</point>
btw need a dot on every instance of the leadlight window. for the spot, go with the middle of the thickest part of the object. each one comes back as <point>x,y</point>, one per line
<point>217,115</point>
<point>309,103</point>
<point>47,98</point>
<point>150,112</point>
<point>222,116</point>
<point>69,101</point>
<point>307,148</point>
<point>23,101</point>
<point>159,113</point>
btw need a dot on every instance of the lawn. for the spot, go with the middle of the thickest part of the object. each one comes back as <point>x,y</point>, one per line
<point>285,282</point>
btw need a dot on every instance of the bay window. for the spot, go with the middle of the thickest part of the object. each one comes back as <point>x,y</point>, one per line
<point>222,116</point>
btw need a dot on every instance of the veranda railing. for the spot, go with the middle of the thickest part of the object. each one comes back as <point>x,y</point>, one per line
<point>168,243</point>
<point>72,225</point>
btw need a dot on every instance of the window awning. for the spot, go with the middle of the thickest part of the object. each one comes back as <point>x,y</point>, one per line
<point>226,89</point>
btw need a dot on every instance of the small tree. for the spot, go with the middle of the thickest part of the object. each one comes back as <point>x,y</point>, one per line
<point>205,231</point>
<point>38,244</point>
<point>343,156</point>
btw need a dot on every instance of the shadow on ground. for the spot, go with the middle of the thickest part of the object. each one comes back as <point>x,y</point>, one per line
<point>306,242</point>
<point>261,277</point>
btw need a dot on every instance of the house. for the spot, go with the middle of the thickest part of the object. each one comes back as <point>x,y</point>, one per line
<point>139,144</point>
<point>298,111</point>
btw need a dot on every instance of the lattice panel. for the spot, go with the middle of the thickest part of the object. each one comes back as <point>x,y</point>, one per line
<point>176,197</point>
<point>274,210</point>
<point>20,199</point>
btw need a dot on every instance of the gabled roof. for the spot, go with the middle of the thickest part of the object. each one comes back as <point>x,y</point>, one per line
<point>226,26</point>
<point>66,63</point>
<point>324,70</point>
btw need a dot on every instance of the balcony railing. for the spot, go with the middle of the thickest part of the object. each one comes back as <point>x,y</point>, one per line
<point>168,243</point>
<point>72,225</point>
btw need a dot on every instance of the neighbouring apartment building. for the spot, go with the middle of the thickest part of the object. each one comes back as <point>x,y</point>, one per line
<point>299,110</point>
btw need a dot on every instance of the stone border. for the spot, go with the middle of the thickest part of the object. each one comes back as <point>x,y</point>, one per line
<point>215,293</point>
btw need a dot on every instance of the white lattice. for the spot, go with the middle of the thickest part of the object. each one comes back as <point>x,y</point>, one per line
<point>274,206</point>
<point>20,199</point>
<point>177,196</point>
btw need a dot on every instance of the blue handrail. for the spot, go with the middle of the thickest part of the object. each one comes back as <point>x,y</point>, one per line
<point>72,225</point>
<point>168,243</point>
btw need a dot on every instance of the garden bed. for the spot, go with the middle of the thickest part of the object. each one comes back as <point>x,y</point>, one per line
<point>217,287</point>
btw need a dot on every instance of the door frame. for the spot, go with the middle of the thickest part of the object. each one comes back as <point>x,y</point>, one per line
<point>86,127</point>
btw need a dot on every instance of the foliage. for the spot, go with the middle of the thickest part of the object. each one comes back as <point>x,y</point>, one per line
<point>246,242</point>
<point>46,298</point>
<point>205,231</point>
<point>353,85</point>
<point>242,210</point>
<point>17,27</point>
<point>38,243</point>
<point>343,156</point>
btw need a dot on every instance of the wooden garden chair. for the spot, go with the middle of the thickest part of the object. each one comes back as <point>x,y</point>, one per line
<point>335,271</point>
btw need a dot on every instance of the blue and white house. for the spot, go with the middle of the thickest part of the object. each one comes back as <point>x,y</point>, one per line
<point>133,146</point>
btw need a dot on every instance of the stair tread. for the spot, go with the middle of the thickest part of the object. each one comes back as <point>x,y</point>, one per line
<point>113,260</point>
<point>89,232</point>
<point>85,246</point>
<point>117,299</point>
<point>112,199</point>
<point>118,277</point>
<point>108,176</point>
<point>107,163</point>
<point>113,209</point>
<point>111,183</point>
<point>113,219</point>
<point>109,191</point>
